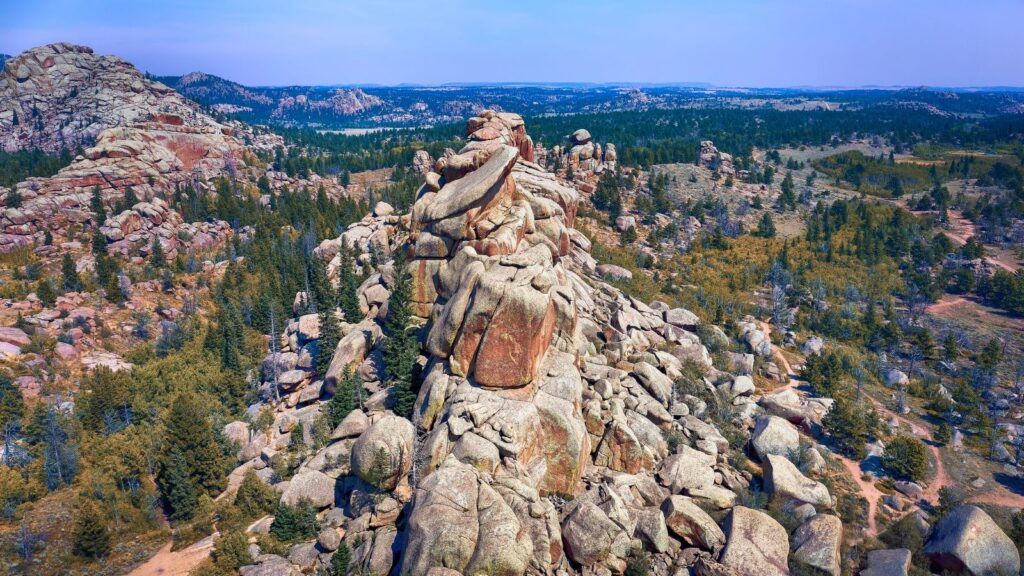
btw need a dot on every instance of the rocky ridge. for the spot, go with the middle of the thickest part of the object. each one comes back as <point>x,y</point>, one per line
<point>143,135</point>
<point>540,440</point>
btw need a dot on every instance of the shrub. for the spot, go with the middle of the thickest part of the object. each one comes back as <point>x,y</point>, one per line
<point>292,523</point>
<point>905,458</point>
<point>254,497</point>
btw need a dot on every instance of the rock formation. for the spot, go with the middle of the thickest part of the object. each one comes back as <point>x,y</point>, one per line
<point>967,540</point>
<point>140,134</point>
<point>62,96</point>
<point>538,440</point>
<point>709,157</point>
<point>581,153</point>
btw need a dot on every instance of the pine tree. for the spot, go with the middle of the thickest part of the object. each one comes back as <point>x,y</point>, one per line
<point>254,497</point>
<point>12,407</point>
<point>70,280</point>
<point>347,286</point>
<point>188,430</point>
<point>846,424</point>
<point>46,293</point>
<point>344,400</point>
<point>13,199</point>
<point>96,203</point>
<point>293,523</point>
<point>905,458</point>
<point>130,200</point>
<point>156,257</point>
<point>90,537</point>
<point>342,558</point>
<point>401,347</point>
<point>177,486</point>
<point>766,227</point>
<point>330,335</point>
<point>99,243</point>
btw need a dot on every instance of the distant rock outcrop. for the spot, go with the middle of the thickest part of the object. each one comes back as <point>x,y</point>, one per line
<point>143,135</point>
<point>62,96</point>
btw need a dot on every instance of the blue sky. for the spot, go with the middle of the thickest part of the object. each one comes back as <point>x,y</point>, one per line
<point>725,42</point>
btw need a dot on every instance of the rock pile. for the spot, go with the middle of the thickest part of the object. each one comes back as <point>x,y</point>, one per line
<point>581,153</point>
<point>143,135</point>
<point>709,157</point>
<point>561,426</point>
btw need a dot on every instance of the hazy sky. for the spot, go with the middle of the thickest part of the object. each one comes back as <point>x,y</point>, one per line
<point>724,42</point>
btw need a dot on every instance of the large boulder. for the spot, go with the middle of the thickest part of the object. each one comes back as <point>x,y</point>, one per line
<point>382,455</point>
<point>692,524</point>
<point>460,523</point>
<point>818,542</point>
<point>783,479</point>
<point>590,535</point>
<point>756,545</point>
<point>688,469</point>
<point>888,563</point>
<point>967,540</point>
<point>313,486</point>
<point>656,383</point>
<point>773,435</point>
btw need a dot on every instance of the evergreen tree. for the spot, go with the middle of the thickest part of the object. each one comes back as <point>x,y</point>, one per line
<point>12,407</point>
<point>70,280</point>
<point>60,458</point>
<point>293,523</point>
<point>330,335</point>
<point>347,286</point>
<point>847,426</point>
<point>130,200</point>
<point>344,400</point>
<point>156,257</point>
<point>13,199</point>
<point>177,486</point>
<point>99,243</point>
<point>188,430</point>
<point>46,293</point>
<point>254,497</point>
<point>906,459</point>
<point>106,408</point>
<point>766,226</point>
<point>96,203</point>
<point>232,551</point>
<point>90,537</point>
<point>401,347</point>
<point>787,199</point>
<point>342,558</point>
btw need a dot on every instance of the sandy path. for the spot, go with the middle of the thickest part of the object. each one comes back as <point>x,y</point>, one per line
<point>867,489</point>
<point>944,303</point>
<point>178,562</point>
<point>167,562</point>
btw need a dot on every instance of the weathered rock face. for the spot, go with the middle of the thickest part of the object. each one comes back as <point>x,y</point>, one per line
<point>887,563</point>
<point>709,157</point>
<point>783,479</point>
<point>142,134</point>
<point>967,540</point>
<point>757,544</point>
<point>540,438</point>
<point>818,543</point>
<point>64,95</point>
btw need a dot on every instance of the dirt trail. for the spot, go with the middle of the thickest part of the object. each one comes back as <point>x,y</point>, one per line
<point>867,489</point>
<point>178,562</point>
<point>945,303</point>
<point>960,229</point>
<point>167,562</point>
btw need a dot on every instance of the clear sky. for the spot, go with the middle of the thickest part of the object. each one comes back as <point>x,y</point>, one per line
<point>725,42</point>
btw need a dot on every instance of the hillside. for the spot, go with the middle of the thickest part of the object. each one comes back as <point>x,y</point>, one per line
<point>679,332</point>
